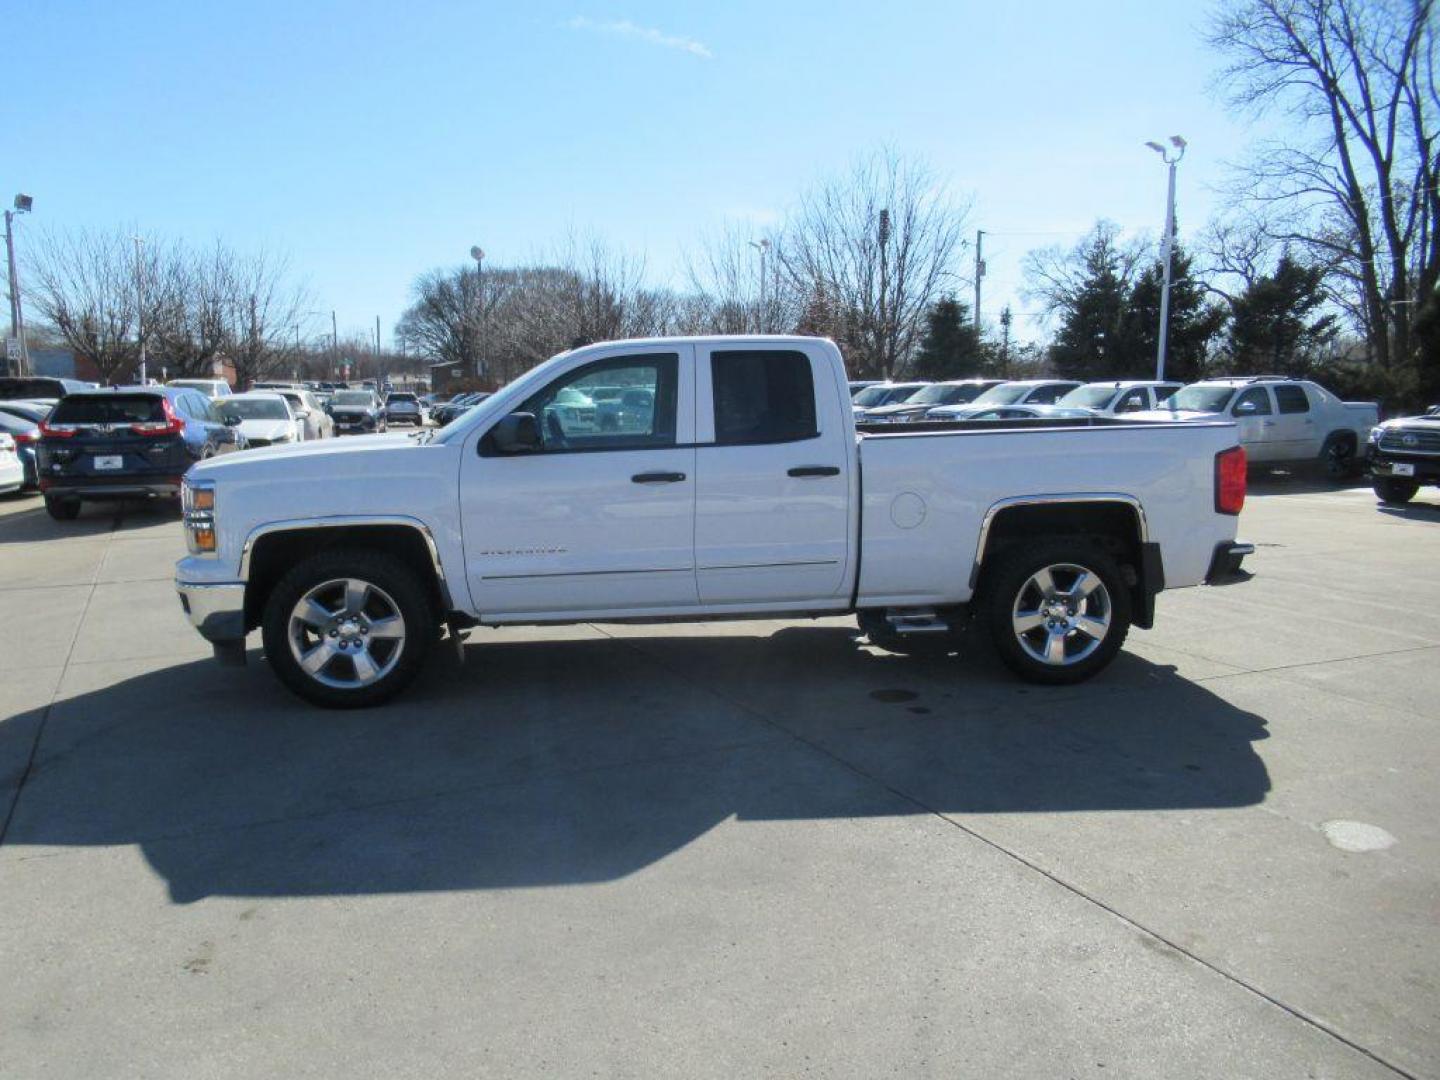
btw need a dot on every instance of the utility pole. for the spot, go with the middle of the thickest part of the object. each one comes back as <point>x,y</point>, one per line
<point>884,288</point>
<point>478,254</point>
<point>377,347</point>
<point>762,246</point>
<point>17,313</point>
<point>334,344</point>
<point>140,308</point>
<point>979,273</point>
<point>1167,249</point>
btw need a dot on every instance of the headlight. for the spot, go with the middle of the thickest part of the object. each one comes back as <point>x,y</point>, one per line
<point>1375,433</point>
<point>197,502</point>
<point>282,438</point>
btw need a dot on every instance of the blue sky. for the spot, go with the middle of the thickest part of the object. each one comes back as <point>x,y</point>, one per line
<point>373,141</point>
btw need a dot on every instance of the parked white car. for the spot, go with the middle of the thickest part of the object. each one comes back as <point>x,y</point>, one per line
<point>404,408</point>
<point>915,407</point>
<point>1014,392</point>
<point>887,393</point>
<point>1118,398</point>
<point>266,418</point>
<point>742,496</point>
<point>211,388</point>
<point>1280,420</point>
<point>315,422</point>
<point>12,472</point>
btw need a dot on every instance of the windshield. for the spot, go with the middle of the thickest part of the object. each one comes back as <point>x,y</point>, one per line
<point>870,396</point>
<point>1090,397</point>
<point>1200,399</point>
<point>943,394</point>
<point>1004,394</point>
<point>353,397</point>
<point>401,397</point>
<point>255,408</point>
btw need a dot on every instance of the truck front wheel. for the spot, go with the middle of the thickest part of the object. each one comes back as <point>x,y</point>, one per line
<point>1394,492</point>
<point>348,628</point>
<point>1057,610</point>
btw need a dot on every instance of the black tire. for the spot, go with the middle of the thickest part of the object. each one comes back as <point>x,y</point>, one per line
<point>1008,582</point>
<point>1339,458</point>
<point>1393,491</point>
<point>62,509</point>
<point>393,584</point>
<point>877,628</point>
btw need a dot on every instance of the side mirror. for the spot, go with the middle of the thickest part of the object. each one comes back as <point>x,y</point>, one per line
<point>518,433</point>
<point>1245,408</point>
<point>231,420</point>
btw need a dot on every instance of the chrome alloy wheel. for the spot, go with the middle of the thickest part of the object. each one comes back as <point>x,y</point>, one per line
<point>1061,614</point>
<point>346,633</point>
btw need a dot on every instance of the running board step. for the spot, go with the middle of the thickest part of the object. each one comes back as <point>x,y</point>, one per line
<point>917,622</point>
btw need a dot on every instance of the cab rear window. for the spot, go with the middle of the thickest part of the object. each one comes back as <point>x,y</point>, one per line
<point>110,409</point>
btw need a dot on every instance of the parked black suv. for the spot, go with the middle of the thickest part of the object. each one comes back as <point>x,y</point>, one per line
<point>39,387</point>
<point>129,442</point>
<point>1404,454</point>
<point>357,412</point>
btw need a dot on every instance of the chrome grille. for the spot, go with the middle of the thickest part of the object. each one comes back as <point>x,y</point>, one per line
<point>1410,441</point>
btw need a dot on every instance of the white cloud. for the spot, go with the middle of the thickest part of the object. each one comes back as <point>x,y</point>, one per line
<point>648,34</point>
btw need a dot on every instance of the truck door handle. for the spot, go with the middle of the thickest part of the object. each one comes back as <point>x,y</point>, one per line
<point>1268,423</point>
<point>657,478</point>
<point>815,470</point>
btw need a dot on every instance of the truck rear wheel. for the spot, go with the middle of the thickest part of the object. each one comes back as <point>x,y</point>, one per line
<point>348,628</point>
<point>1394,492</point>
<point>1339,459</point>
<point>1057,609</point>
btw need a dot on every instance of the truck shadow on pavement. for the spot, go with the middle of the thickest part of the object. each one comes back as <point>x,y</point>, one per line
<point>589,757</point>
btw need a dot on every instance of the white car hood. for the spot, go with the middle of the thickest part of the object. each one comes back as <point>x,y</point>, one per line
<point>269,430</point>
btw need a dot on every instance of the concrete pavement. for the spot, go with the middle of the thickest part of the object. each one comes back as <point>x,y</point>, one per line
<point>730,850</point>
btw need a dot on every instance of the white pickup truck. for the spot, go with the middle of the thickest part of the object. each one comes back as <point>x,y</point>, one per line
<point>745,490</point>
<point>1280,420</point>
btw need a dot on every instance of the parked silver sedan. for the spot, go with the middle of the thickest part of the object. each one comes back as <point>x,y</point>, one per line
<point>314,419</point>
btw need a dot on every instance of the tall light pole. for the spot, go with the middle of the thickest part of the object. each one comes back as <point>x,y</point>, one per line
<point>883,236</point>
<point>478,254</point>
<point>21,351</point>
<point>762,246</point>
<point>140,305</point>
<point>1168,247</point>
<point>979,273</point>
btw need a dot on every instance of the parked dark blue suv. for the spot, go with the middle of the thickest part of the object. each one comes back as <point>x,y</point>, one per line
<point>126,442</point>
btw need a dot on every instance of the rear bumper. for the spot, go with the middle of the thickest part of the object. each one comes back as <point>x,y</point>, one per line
<point>111,487</point>
<point>1225,564</point>
<point>217,611</point>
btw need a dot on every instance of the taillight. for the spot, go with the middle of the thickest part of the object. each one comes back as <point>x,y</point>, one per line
<point>23,437</point>
<point>57,431</point>
<point>171,425</point>
<point>1230,480</point>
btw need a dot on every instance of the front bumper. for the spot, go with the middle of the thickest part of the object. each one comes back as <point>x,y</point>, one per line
<point>1225,564</point>
<point>216,610</point>
<point>1422,469</point>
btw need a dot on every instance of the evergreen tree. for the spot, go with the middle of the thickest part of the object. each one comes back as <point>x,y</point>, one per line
<point>1278,325</point>
<point>951,347</point>
<point>1090,344</point>
<point>1194,323</point>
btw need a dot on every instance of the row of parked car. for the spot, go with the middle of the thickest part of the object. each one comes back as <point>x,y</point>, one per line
<point>138,441</point>
<point>1280,419</point>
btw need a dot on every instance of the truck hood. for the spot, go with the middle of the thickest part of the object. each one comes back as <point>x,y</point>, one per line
<point>267,458</point>
<point>1172,414</point>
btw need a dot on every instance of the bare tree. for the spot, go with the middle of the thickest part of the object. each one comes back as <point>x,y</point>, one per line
<point>1355,190</point>
<point>880,244</point>
<point>83,284</point>
<point>1059,277</point>
<point>264,308</point>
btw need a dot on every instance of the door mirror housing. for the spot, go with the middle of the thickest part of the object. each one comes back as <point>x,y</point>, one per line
<point>231,420</point>
<point>1245,408</point>
<point>518,433</point>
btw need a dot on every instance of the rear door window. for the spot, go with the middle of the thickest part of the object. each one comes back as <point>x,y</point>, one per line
<point>1291,399</point>
<point>110,409</point>
<point>762,396</point>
